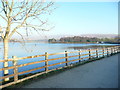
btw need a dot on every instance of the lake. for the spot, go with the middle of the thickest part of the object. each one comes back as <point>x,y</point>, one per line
<point>20,50</point>
<point>30,49</point>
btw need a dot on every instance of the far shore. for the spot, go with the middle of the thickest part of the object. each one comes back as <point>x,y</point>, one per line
<point>91,47</point>
<point>75,42</point>
<point>85,42</point>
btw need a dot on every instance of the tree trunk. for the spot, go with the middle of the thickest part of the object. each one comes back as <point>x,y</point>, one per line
<point>5,42</point>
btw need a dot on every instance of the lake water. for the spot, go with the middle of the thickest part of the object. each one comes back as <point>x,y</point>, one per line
<point>30,49</point>
<point>20,50</point>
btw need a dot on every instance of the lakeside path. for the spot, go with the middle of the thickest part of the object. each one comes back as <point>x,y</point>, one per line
<point>99,74</point>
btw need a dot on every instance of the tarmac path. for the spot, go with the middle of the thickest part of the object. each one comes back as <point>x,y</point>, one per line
<point>99,74</point>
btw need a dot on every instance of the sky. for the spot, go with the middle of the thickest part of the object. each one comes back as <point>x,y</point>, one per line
<point>76,18</point>
<point>85,0</point>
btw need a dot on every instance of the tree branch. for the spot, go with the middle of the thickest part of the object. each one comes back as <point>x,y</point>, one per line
<point>3,17</point>
<point>23,12</point>
<point>20,35</point>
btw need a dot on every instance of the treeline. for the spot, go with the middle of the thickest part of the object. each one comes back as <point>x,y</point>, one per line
<point>12,40</point>
<point>78,39</point>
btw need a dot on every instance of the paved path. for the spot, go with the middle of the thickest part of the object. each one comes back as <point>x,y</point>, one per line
<point>99,74</point>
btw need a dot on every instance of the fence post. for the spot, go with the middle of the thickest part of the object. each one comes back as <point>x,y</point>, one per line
<point>96,53</point>
<point>15,68</point>
<point>118,49</point>
<point>107,52</point>
<point>111,51</point>
<point>89,54</point>
<point>46,62</point>
<point>66,55</point>
<point>79,55</point>
<point>114,50</point>
<point>103,52</point>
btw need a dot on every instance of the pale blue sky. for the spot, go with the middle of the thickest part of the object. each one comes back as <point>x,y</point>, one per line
<point>75,18</point>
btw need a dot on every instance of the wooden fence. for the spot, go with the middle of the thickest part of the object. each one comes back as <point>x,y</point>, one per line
<point>89,54</point>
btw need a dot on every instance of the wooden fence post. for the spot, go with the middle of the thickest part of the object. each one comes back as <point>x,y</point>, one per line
<point>96,53</point>
<point>111,51</point>
<point>79,55</point>
<point>107,52</point>
<point>114,49</point>
<point>15,68</point>
<point>46,62</point>
<point>66,55</point>
<point>89,53</point>
<point>118,49</point>
<point>103,52</point>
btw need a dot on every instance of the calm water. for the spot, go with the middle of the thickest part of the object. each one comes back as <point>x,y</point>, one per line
<point>19,50</point>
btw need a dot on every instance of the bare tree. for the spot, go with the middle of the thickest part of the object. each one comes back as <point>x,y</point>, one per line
<point>21,16</point>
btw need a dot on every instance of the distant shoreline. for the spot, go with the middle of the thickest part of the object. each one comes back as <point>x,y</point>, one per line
<point>91,47</point>
<point>85,42</point>
<point>74,42</point>
<point>62,42</point>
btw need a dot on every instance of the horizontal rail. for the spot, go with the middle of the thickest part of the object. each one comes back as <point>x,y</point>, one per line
<point>22,72</point>
<point>6,85</point>
<point>30,57</point>
<point>20,58</point>
<point>73,56</point>
<point>56,58</point>
<point>21,65</point>
<point>57,53</point>
<point>6,68</point>
<point>11,59</point>
<point>11,75</point>
<point>56,64</point>
<point>31,70</point>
